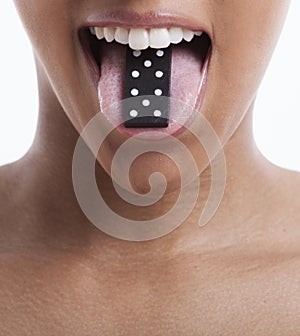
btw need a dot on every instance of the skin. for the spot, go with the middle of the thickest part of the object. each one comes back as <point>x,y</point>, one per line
<point>239,274</point>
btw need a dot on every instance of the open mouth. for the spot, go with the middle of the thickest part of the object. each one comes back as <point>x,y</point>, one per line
<point>105,50</point>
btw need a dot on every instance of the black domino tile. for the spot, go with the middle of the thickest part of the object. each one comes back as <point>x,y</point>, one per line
<point>144,71</point>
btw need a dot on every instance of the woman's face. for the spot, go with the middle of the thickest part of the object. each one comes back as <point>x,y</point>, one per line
<point>243,35</point>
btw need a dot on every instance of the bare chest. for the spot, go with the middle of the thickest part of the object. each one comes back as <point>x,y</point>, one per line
<point>71,298</point>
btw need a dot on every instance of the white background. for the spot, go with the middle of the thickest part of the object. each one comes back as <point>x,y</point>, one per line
<point>277,112</point>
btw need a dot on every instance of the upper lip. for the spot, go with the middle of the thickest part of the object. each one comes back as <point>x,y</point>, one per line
<point>151,19</point>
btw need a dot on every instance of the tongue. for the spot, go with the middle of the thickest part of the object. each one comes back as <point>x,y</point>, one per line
<point>186,78</point>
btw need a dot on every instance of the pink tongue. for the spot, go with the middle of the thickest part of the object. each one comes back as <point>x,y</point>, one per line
<point>186,80</point>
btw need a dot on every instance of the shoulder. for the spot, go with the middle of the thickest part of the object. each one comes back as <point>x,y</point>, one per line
<point>288,203</point>
<point>281,200</point>
<point>282,236</point>
<point>5,191</point>
<point>10,205</point>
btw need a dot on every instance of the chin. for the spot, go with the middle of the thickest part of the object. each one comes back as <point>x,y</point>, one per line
<point>148,171</point>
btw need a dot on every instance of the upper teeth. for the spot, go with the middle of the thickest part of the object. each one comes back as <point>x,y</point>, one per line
<point>140,38</point>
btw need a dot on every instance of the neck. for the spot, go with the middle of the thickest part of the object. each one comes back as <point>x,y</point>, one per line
<point>49,182</point>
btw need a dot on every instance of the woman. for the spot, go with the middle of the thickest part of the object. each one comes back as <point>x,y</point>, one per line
<point>60,274</point>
